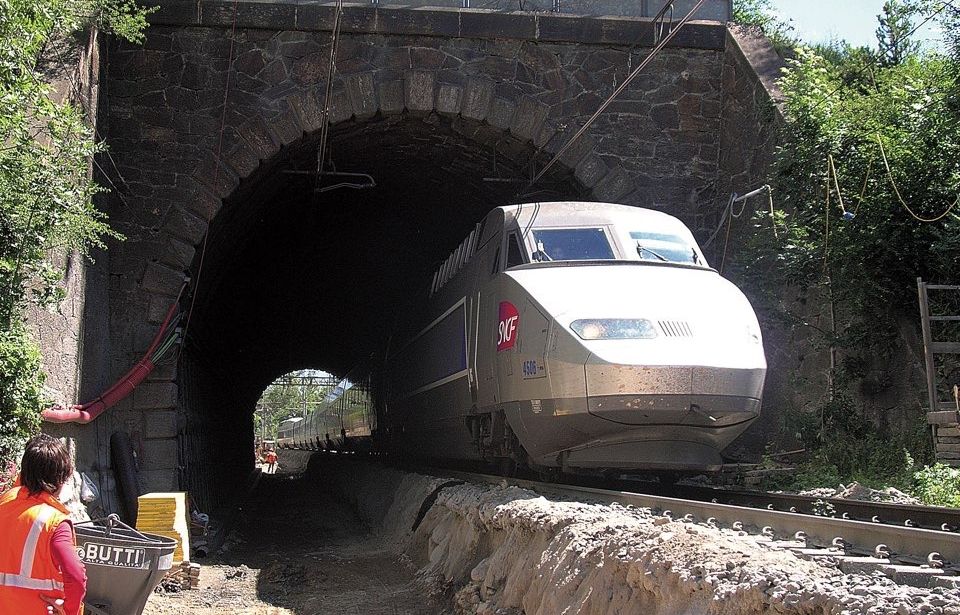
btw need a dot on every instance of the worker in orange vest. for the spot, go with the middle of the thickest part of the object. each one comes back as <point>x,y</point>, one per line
<point>40,572</point>
<point>271,461</point>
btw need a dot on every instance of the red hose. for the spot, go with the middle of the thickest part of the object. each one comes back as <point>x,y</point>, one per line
<point>119,390</point>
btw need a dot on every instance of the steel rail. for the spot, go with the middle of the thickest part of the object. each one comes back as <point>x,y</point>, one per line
<point>912,515</point>
<point>846,536</point>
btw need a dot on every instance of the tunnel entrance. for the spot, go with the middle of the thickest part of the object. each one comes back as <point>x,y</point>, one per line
<point>292,278</point>
<point>288,400</point>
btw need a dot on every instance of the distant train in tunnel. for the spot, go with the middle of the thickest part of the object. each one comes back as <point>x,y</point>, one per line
<point>576,337</point>
<point>344,421</point>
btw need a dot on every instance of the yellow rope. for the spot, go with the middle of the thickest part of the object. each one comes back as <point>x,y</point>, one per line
<point>897,191</point>
<point>773,220</point>
<point>863,191</point>
<point>832,170</point>
<point>826,216</point>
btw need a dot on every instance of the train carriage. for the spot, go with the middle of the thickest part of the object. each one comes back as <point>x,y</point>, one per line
<point>583,337</point>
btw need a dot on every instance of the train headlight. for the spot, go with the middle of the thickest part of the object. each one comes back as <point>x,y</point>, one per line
<point>614,328</point>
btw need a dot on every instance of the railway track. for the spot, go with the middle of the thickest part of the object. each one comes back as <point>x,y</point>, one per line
<point>908,515</point>
<point>908,554</point>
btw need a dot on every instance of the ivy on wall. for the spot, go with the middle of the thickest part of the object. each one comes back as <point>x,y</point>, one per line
<point>46,195</point>
<point>867,181</point>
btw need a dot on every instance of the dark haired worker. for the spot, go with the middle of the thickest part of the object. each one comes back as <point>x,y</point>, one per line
<point>40,572</point>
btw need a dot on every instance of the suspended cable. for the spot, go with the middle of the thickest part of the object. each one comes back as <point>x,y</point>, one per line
<point>863,190</point>
<point>826,216</point>
<point>626,82</point>
<point>900,198</point>
<point>216,171</point>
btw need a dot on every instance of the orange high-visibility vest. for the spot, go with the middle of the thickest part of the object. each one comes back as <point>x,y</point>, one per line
<point>26,562</point>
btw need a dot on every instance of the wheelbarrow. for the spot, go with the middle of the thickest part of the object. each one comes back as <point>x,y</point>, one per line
<point>123,565</point>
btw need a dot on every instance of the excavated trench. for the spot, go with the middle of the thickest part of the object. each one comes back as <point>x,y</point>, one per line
<point>293,278</point>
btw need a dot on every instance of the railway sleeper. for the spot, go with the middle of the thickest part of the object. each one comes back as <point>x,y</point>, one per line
<point>918,576</point>
<point>905,574</point>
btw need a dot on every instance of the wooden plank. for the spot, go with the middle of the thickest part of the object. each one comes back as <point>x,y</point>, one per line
<point>948,448</point>
<point>942,287</point>
<point>953,432</point>
<point>943,417</point>
<point>945,347</point>
<point>942,318</point>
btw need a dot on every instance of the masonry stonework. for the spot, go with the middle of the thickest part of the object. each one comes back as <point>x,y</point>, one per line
<point>678,137</point>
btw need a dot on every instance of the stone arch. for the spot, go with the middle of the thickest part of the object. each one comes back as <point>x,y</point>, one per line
<point>358,97</point>
<point>514,89</point>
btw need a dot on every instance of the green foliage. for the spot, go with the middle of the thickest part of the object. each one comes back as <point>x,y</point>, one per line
<point>861,248</point>
<point>46,206</point>
<point>938,485</point>
<point>21,391</point>
<point>844,447</point>
<point>893,34</point>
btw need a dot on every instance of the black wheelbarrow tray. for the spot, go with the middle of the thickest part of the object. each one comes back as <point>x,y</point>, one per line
<point>124,566</point>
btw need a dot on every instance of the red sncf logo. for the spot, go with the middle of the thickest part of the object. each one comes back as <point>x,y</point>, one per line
<point>507,330</point>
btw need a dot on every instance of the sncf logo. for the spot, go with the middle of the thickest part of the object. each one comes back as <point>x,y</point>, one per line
<point>507,330</point>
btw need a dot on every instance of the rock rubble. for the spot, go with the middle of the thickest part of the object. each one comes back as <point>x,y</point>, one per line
<point>506,550</point>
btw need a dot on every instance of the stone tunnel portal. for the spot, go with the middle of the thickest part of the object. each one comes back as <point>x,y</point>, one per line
<point>293,278</point>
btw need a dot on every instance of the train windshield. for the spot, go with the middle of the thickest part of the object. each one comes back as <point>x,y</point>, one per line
<point>665,247</point>
<point>571,244</point>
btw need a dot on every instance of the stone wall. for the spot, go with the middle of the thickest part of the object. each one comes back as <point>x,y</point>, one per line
<point>59,330</point>
<point>715,10</point>
<point>657,146</point>
<point>681,136</point>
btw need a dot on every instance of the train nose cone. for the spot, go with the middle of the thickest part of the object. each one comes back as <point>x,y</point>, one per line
<point>708,397</point>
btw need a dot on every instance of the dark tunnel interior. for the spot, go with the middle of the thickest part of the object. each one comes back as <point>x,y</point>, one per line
<point>293,278</point>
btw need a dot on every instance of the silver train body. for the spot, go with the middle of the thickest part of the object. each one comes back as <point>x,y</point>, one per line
<point>578,337</point>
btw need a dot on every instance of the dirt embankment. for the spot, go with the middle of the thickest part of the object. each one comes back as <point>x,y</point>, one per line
<point>505,550</point>
<point>436,546</point>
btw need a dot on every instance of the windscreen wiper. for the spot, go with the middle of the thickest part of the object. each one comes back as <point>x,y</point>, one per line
<point>541,254</point>
<point>658,256</point>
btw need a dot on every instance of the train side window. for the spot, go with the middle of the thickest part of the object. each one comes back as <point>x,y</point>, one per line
<point>496,262</point>
<point>514,253</point>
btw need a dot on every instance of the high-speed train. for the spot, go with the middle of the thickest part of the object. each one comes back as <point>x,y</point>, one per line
<point>576,337</point>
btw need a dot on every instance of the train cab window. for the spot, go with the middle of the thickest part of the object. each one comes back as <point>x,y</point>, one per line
<point>514,252</point>
<point>571,244</point>
<point>665,247</point>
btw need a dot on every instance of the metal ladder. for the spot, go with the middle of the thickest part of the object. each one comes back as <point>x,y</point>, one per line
<point>942,415</point>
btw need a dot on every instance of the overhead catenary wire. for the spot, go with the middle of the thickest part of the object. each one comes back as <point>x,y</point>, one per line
<point>626,82</point>
<point>328,89</point>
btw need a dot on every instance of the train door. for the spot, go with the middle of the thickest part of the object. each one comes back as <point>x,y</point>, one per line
<point>509,344</point>
<point>486,326</point>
